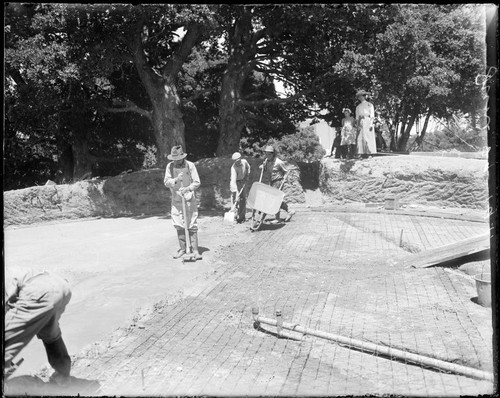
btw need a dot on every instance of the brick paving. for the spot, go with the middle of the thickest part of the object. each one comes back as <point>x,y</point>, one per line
<point>325,271</point>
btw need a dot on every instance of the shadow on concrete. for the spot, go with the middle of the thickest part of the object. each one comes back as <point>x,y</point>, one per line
<point>271,227</point>
<point>475,300</point>
<point>202,249</point>
<point>35,386</point>
<point>144,216</point>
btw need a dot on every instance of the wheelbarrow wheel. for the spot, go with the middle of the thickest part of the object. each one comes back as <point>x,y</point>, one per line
<point>257,220</point>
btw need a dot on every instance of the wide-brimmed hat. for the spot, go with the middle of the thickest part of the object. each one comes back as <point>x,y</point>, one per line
<point>177,153</point>
<point>236,156</point>
<point>269,148</point>
<point>346,110</point>
<point>362,92</point>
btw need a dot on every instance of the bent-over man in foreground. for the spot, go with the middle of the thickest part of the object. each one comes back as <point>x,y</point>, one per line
<point>34,303</point>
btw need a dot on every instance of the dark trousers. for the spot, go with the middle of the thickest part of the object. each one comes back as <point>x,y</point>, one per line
<point>241,207</point>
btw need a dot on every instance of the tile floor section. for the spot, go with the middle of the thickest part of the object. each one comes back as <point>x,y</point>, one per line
<point>324,271</point>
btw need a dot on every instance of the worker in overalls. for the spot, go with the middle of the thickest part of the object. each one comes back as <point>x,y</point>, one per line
<point>182,178</point>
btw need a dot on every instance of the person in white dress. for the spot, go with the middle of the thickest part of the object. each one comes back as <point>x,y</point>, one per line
<point>365,113</point>
<point>348,143</point>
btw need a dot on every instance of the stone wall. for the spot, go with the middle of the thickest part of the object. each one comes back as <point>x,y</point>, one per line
<point>442,182</point>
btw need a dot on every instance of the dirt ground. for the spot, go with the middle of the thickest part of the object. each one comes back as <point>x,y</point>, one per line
<point>113,274</point>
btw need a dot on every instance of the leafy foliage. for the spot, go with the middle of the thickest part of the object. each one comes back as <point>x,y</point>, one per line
<point>456,134</point>
<point>301,146</point>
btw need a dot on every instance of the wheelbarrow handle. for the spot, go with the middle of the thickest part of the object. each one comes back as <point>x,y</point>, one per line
<point>284,178</point>
<point>262,171</point>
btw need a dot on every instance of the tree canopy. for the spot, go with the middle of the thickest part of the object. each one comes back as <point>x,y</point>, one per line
<point>90,89</point>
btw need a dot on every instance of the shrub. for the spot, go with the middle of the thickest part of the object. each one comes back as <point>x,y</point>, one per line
<point>302,146</point>
<point>149,153</point>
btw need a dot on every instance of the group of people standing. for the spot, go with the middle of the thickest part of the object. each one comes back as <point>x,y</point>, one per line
<point>357,135</point>
<point>182,178</point>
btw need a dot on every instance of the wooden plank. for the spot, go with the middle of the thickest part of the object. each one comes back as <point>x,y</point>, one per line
<point>449,252</point>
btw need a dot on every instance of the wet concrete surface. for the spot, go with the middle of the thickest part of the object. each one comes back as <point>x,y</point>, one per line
<point>114,266</point>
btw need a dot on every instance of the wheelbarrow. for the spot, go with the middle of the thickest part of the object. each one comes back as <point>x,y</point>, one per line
<point>264,199</point>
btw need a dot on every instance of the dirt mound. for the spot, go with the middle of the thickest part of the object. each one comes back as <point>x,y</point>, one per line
<point>445,182</point>
<point>139,193</point>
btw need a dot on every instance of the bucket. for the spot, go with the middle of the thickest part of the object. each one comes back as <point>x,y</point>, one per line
<point>483,286</point>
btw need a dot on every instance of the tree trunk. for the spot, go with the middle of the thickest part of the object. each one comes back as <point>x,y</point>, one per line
<point>66,166</point>
<point>79,122</point>
<point>166,116</point>
<point>396,126</point>
<point>82,158</point>
<point>230,114</point>
<point>403,127</point>
<point>426,123</point>
<point>168,125</point>
<point>242,49</point>
<point>405,135</point>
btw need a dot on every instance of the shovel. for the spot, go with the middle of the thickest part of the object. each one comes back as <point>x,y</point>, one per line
<point>229,215</point>
<point>189,256</point>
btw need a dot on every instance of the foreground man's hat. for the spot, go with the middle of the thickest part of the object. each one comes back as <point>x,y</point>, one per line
<point>177,153</point>
<point>236,156</point>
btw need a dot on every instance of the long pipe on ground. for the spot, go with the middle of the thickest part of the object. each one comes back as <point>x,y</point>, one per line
<point>375,348</point>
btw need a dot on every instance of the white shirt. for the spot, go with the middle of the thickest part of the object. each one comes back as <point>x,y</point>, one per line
<point>365,109</point>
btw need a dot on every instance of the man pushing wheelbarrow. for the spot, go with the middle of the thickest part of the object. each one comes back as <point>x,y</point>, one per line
<point>274,174</point>
<point>182,178</point>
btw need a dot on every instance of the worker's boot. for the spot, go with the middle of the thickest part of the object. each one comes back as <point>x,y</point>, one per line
<point>59,359</point>
<point>193,236</point>
<point>181,235</point>
<point>277,218</point>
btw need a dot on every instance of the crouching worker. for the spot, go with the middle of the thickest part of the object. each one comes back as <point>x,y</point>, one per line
<point>34,303</point>
<point>238,185</point>
<point>274,173</point>
<point>182,178</point>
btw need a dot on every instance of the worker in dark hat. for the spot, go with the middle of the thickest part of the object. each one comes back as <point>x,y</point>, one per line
<point>182,178</point>
<point>273,174</point>
<point>365,114</point>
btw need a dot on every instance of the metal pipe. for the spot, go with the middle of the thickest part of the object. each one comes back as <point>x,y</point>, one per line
<point>378,349</point>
